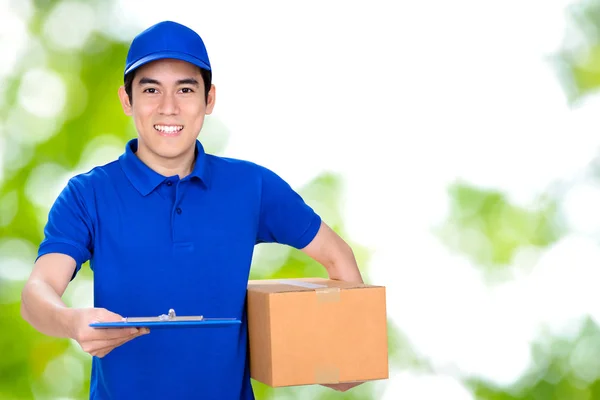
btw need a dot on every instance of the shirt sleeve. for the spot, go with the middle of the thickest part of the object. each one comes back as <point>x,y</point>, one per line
<point>69,227</point>
<point>284,216</point>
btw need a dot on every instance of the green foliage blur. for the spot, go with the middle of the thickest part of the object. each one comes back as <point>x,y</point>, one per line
<point>502,228</point>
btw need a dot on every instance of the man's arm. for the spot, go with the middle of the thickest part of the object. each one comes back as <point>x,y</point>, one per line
<point>41,303</point>
<point>43,308</point>
<point>331,251</point>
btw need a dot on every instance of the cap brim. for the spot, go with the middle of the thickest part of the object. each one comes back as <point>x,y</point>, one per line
<point>168,54</point>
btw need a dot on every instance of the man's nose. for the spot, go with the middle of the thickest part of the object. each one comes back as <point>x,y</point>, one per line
<point>168,105</point>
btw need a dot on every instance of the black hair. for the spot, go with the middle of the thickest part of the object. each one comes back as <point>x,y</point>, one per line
<point>206,77</point>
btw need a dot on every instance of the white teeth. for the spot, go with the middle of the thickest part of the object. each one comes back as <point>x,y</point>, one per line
<point>168,128</point>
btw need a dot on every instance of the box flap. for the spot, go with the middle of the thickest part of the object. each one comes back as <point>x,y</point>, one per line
<point>301,285</point>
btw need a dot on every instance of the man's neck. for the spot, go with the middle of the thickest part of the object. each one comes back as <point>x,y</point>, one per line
<point>181,166</point>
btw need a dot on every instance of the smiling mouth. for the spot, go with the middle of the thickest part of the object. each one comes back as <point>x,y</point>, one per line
<point>168,129</point>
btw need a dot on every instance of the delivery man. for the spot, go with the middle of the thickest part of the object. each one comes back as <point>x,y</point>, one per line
<point>167,225</point>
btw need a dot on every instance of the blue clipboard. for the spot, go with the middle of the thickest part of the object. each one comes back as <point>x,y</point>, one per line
<point>168,321</point>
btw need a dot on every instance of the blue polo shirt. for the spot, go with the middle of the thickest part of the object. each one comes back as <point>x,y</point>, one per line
<point>155,243</point>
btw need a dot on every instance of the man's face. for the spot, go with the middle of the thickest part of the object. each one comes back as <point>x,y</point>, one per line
<point>168,107</point>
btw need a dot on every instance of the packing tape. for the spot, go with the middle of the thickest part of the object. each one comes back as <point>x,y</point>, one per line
<point>327,374</point>
<point>328,295</point>
<point>307,285</point>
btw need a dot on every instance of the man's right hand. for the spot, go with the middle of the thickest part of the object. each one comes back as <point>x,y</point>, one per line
<point>100,341</point>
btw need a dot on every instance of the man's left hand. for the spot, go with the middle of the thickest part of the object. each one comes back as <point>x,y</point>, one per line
<point>342,387</point>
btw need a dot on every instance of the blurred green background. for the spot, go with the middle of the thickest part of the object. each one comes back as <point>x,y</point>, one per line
<point>57,133</point>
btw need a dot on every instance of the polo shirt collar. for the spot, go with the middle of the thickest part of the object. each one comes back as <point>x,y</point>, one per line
<point>145,179</point>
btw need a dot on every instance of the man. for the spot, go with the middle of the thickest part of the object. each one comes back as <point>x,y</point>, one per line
<point>169,226</point>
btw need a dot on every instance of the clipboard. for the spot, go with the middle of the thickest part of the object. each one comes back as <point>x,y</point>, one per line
<point>170,320</point>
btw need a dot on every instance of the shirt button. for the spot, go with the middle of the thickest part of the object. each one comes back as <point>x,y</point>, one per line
<point>178,210</point>
<point>169,183</point>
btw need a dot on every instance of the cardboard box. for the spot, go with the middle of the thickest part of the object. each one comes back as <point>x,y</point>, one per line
<point>314,331</point>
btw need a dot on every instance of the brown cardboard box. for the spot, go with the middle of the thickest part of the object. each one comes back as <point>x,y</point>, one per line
<point>313,331</point>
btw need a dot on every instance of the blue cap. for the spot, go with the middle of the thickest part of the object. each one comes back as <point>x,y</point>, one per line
<point>167,39</point>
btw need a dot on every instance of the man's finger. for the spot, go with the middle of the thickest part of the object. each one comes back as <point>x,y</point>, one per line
<point>111,333</point>
<point>92,346</point>
<point>102,351</point>
<point>109,345</point>
<point>342,387</point>
<point>121,342</point>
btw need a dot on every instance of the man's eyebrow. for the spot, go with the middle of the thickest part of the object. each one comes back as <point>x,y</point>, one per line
<point>148,81</point>
<point>188,81</point>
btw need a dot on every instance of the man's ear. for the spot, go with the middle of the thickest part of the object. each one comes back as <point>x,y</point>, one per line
<point>125,103</point>
<point>210,100</point>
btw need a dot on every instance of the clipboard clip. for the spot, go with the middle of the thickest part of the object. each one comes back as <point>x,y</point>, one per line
<point>170,317</point>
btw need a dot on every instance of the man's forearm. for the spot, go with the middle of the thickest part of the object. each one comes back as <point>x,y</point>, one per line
<point>331,251</point>
<point>43,308</point>
<point>344,267</point>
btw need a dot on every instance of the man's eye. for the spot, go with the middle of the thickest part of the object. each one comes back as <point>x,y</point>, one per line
<point>150,90</point>
<point>187,90</point>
